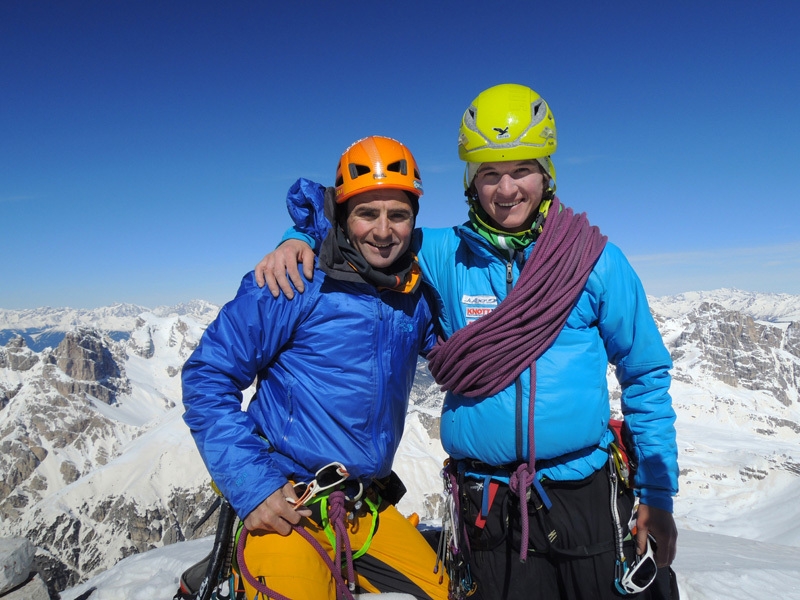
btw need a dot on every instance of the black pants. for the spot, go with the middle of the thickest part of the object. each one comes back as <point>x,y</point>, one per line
<point>572,550</point>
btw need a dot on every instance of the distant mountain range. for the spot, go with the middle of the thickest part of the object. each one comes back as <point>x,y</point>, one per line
<point>97,463</point>
<point>43,327</point>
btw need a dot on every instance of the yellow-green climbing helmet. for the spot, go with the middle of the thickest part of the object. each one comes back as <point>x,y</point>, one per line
<point>508,122</point>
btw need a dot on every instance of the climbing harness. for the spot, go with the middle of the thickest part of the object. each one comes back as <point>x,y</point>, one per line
<point>330,518</point>
<point>623,461</point>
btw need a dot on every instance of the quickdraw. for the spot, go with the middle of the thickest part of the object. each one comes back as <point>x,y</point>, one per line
<point>450,553</point>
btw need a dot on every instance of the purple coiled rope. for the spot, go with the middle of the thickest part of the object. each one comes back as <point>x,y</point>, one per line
<point>476,361</point>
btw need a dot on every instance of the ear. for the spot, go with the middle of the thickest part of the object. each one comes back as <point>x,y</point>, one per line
<point>414,204</point>
<point>471,194</point>
<point>342,211</point>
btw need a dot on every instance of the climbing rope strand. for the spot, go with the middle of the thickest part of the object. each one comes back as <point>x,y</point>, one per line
<point>337,514</point>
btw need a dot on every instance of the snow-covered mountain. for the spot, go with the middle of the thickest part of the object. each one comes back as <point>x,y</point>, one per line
<point>97,464</point>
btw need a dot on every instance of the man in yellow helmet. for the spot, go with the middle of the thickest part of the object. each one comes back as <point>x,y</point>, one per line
<point>333,374</point>
<point>538,470</point>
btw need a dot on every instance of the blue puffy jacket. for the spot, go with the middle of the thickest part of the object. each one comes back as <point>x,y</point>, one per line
<point>610,323</point>
<point>334,369</point>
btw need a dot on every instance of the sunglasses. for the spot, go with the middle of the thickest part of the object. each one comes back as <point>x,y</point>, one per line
<point>329,476</point>
<point>642,573</point>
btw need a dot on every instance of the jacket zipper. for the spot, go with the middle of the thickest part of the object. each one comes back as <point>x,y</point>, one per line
<point>378,408</point>
<point>518,408</point>
<point>510,271</point>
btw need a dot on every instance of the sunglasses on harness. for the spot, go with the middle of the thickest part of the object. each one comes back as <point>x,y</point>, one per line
<point>642,573</point>
<point>328,477</point>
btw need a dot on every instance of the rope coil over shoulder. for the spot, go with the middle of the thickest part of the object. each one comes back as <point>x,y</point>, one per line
<point>475,361</point>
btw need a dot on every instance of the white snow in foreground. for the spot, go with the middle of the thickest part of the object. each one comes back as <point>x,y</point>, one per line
<point>709,567</point>
<point>154,575</point>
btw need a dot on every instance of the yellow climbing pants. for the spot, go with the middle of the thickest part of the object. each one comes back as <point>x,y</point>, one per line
<point>398,559</point>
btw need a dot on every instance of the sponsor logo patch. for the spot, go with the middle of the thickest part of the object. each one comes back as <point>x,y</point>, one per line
<point>477,306</point>
<point>490,300</point>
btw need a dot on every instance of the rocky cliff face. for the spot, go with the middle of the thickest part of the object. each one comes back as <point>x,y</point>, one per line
<point>102,531</point>
<point>741,352</point>
<point>726,352</point>
<point>735,379</point>
<point>48,408</point>
<point>17,356</point>
<point>67,413</point>
<point>83,365</point>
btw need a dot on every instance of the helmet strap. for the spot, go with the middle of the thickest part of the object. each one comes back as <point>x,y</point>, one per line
<point>340,260</point>
<point>505,240</point>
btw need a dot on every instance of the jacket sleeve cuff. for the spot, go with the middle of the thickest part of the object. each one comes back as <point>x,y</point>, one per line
<point>656,498</point>
<point>245,502</point>
<point>295,234</point>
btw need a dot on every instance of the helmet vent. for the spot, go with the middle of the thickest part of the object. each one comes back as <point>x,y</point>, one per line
<point>357,171</point>
<point>469,118</point>
<point>538,112</point>
<point>400,166</point>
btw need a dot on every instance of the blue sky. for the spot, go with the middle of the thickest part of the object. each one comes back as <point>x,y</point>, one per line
<point>146,147</point>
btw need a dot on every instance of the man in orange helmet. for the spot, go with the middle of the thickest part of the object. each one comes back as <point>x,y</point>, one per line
<point>333,374</point>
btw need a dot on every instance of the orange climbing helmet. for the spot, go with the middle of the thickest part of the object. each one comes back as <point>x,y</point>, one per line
<point>376,162</point>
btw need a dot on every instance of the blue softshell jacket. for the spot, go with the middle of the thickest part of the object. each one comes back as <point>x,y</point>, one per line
<point>333,370</point>
<point>610,324</point>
